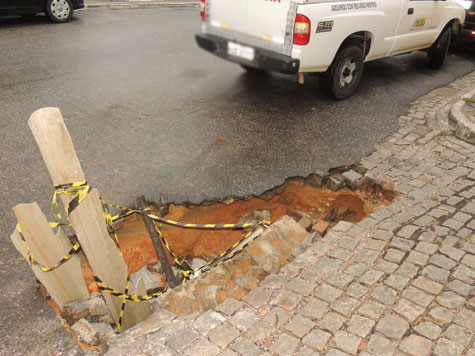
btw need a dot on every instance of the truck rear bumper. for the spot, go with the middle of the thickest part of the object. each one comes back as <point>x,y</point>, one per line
<point>263,59</point>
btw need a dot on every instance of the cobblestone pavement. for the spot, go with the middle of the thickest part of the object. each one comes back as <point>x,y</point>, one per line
<point>400,282</point>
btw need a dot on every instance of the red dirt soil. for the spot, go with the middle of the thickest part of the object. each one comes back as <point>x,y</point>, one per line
<point>297,198</point>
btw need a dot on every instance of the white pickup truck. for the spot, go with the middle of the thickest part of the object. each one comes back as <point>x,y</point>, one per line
<point>331,37</point>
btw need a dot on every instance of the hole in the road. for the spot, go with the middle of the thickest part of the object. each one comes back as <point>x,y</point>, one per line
<point>308,201</point>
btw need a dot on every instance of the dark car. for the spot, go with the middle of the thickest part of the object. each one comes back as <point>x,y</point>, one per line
<point>56,10</point>
<point>468,32</point>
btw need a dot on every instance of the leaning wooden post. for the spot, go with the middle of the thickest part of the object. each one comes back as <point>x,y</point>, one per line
<point>162,256</point>
<point>87,218</point>
<point>65,283</point>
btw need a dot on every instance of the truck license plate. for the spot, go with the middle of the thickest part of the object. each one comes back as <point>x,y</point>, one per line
<point>237,50</point>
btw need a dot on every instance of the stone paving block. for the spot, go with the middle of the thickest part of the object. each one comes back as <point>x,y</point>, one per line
<point>453,224</point>
<point>346,342</point>
<point>458,334</point>
<point>360,326</point>
<point>329,264</point>
<point>260,330</point>
<point>345,305</point>
<point>367,256</point>
<point>442,262</point>
<point>407,231</point>
<point>460,287</point>
<point>331,322</point>
<point>384,295</point>
<point>447,347</point>
<point>303,351</point>
<point>206,322</point>
<point>287,299</point>
<point>245,347</point>
<point>343,226</point>
<point>182,339</point>
<point>273,281</point>
<point>167,351</point>
<point>348,243</point>
<point>386,234</point>
<point>336,352</point>
<point>385,266</point>
<point>316,340</point>
<point>392,326</point>
<point>327,293</point>
<point>371,277</point>
<point>285,345</point>
<point>424,220</point>
<point>314,309</point>
<point>466,318</point>
<point>229,352</point>
<point>469,260</point>
<point>380,346</point>
<point>408,310</point>
<point>429,236</point>
<point>428,329</point>
<point>394,255</point>
<point>356,290</point>
<point>402,244</point>
<point>426,247</point>
<point>258,297</point>
<point>376,245</point>
<point>417,296</point>
<point>299,326</point>
<point>340,279</point>
<point>427,285</point>
<point>451,300</point>
<point>441,315</point>
<point>416,345</point>
<point>356,270</point>
<point>201,347</point>
<point>243,319</point>
<point>436,273</point>
<point>223,335</point>
<point>397,281</point>
<point>417,258</point>
<point>229,306</point>
<point>465,274</point>
<point>300,286</point>
<point>290,270</point>
<point>371,309</point>
<point>313,274</point>
<point>277,316</point>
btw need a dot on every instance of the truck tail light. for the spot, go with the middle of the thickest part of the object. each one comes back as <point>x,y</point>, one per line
<point>202,10</point>
<point>302,30</point>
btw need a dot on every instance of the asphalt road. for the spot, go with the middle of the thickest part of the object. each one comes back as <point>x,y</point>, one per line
<point>149,113</point>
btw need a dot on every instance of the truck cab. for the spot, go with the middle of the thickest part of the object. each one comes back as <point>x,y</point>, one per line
<point>333,38</point>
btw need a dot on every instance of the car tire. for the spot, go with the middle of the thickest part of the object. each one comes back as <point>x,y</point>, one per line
<point>252,70</point>
<point>438,51</point>
<point>59,11</point>
<point>344,75</point>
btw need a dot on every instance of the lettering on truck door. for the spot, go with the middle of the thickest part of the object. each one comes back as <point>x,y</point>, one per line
<point>418,27</point>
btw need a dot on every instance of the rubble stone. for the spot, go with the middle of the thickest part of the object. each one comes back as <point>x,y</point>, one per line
<point>86,332</point>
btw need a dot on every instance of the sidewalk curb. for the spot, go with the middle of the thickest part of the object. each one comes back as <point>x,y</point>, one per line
<point>139,5</point>
<point>464,127</point>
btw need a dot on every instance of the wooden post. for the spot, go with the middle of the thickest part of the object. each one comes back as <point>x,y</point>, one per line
<point>87,218</point>
<point>64,284</point>
<point>162,256</point>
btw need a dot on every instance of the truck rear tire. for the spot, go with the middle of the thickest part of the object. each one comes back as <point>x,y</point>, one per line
<point>343,77</point>
<point>438,51</point>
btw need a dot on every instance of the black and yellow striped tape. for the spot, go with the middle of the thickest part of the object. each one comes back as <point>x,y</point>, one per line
<point>31,259</point>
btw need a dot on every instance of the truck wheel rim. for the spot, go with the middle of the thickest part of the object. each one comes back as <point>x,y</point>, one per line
<point>60,9</point>
<point>347,72</point>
